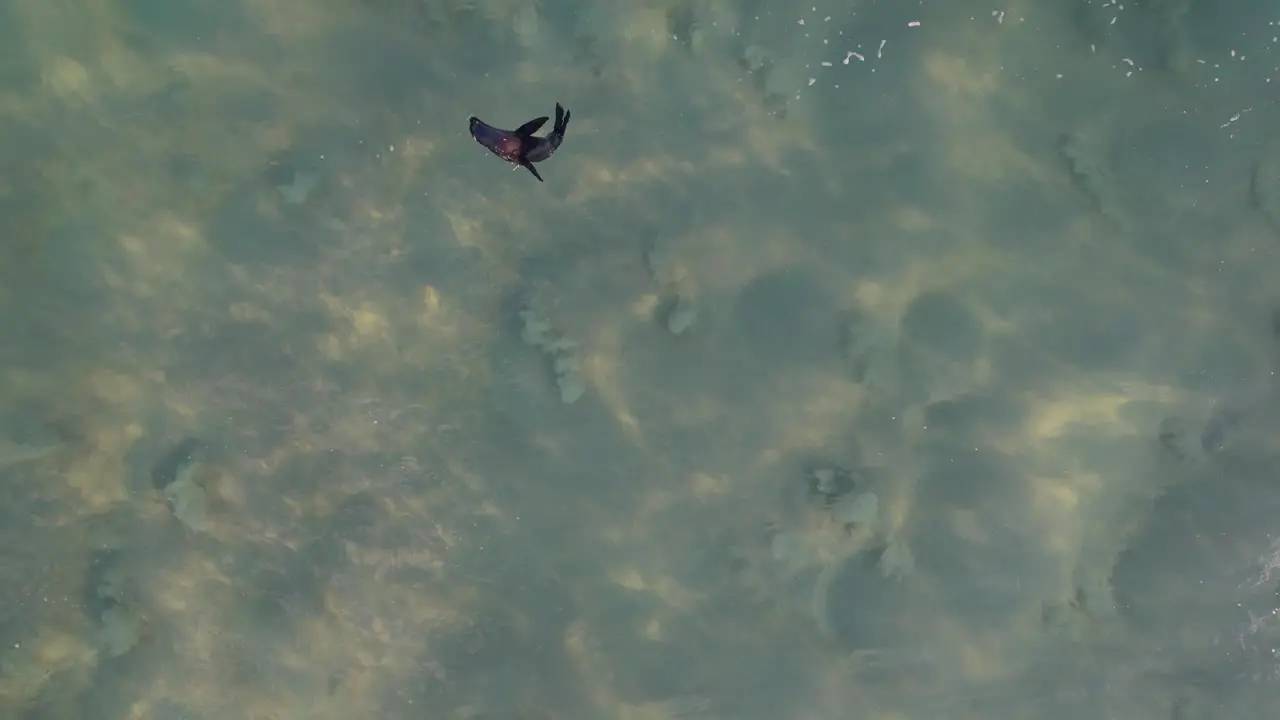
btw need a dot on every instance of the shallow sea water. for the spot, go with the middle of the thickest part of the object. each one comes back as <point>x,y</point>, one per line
<point>926,350</point>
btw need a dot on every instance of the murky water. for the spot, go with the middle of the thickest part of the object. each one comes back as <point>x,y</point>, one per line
<point>892,359</point>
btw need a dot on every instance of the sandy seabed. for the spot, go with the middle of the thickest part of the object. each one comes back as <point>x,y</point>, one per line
<point>853,361</point>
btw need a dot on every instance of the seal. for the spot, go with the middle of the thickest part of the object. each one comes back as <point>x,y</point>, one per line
<point>520,146</point>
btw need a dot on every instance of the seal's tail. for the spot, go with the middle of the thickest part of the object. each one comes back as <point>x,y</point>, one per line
<point>562,120</point>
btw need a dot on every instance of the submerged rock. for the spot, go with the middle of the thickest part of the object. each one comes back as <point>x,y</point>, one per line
<point>1202,577</point>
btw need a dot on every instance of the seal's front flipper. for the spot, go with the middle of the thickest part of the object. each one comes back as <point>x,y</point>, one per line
<point>529,166</point>
<point>531,127</point>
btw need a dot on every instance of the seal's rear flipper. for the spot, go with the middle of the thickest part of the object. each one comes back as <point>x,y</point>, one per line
<point>562,120</point>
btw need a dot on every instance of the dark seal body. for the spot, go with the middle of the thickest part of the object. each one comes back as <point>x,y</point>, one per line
<point>520,146</point>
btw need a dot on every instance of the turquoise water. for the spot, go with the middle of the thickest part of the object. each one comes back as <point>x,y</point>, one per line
<point>878,359</point>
